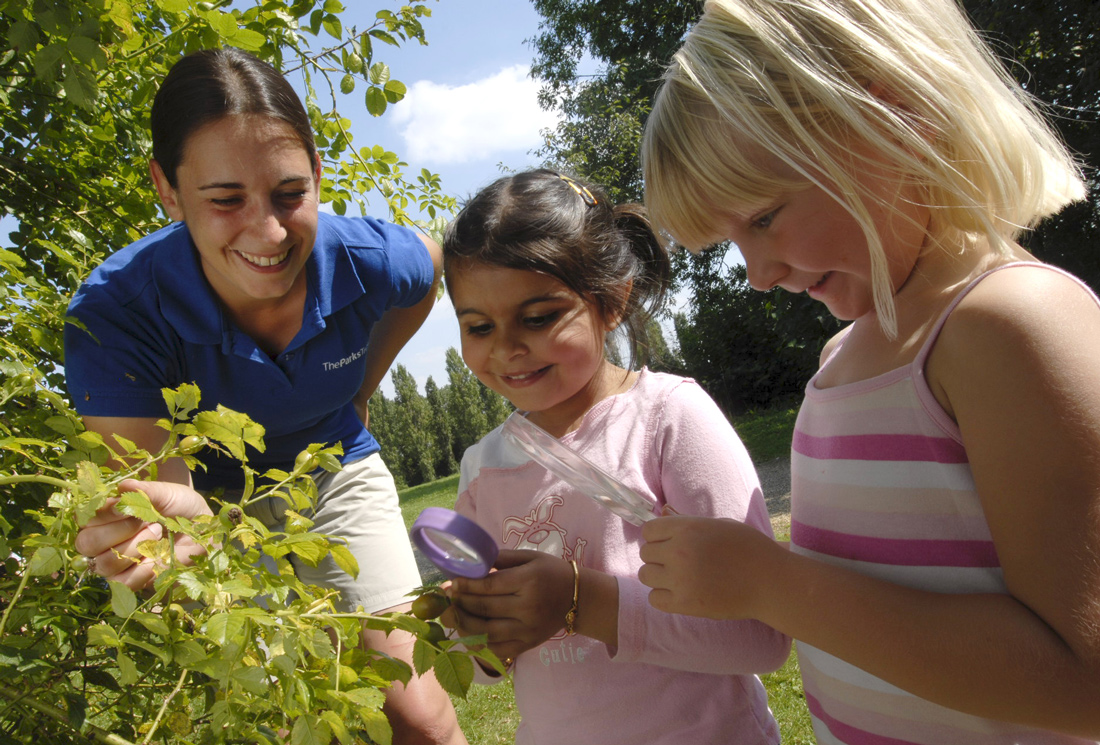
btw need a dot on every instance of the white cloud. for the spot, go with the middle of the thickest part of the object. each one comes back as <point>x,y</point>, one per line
<point>458,124</point>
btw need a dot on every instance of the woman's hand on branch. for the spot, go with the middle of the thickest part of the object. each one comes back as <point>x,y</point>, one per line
<point>111,539</point>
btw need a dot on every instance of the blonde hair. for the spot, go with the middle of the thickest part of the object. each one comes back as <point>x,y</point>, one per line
<point>807,81</point>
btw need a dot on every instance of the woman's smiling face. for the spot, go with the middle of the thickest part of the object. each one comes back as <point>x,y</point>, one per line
<point>248,192</point>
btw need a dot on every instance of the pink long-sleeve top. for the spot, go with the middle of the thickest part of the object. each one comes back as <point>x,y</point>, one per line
<point>672,679</point>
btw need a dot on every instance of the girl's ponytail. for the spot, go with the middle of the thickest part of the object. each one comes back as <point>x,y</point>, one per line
<point>651,276</point>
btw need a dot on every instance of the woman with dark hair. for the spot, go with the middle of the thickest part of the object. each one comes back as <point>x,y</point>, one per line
<point>273,309</point>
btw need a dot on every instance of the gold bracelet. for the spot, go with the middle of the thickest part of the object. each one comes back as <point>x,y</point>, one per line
<point>571,616</point>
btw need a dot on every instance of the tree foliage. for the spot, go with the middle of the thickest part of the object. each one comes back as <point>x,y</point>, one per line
<point>732,339</point>
<point>423,437</point>
<point>604,112</point>
<point>201,659</point>
<point>748,349</point>
<point>1055,49</point>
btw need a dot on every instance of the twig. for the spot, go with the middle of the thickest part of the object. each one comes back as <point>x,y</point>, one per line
<point>164,707</point>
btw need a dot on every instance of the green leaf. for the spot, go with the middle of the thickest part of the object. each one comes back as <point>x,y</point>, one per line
<point>188,653</point>
<point>310,729</point>
<point>385,36</point>
<point>77,710</point>
<point>61,424</point>
<point>332,25</point>
<point>232,429</point>
<point>183,400</point>
<point>47,63</point>
<point>87,51</point>
<point>333,6</point>
<point>46,560</point>
<point>173,6</point>
<point>344,559</point>
<point>137,504</point>
<point>455,672</point>
<point>249,40</point>
<point>311,552</point>
<point>376,101</point>
<point>123,600</point>
<point>224,24</point>
<point>102,635</point>
<point>339,729</point>
<point>23,36</point>
<point>377,726</point>
<point>191,584</point>
<point>98,677</point>
<point>392,669</point>
<point>424,654</point>
<point>379,73</point>
<point>225,628</point>
<point>81,86</point>
<point>397,88</point>
<point>128,672</point>
<point>154,623</point>
<point>330,462</point>
<point>88,478</point>
<point>252,679</point>
<point>347,84</point>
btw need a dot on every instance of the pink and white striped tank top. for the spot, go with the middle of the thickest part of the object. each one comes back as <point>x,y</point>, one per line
<point>881,485</point>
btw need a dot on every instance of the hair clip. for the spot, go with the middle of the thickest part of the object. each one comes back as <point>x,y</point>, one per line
<point>582,191</point>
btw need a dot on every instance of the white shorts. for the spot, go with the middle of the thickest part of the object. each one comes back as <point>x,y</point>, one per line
<point>358,504</point>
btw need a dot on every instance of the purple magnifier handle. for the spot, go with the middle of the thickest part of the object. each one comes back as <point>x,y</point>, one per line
<point>458,546</point>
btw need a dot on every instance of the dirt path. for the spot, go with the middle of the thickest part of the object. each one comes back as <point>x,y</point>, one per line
<point>775,480</point>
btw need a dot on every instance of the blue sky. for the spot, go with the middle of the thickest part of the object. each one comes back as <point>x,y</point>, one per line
<point>471,108</point>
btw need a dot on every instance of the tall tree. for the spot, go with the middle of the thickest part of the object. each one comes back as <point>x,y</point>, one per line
<point>413,437</point>
<point>382,427</point>
<point>466,404</point>
<point>442,427</point>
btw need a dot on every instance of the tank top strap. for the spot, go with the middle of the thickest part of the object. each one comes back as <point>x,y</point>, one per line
<point>926,348</point>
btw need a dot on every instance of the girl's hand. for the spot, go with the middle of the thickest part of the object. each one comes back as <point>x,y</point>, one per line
<point>111,539</point>
<point>706,567</point>
<point>518,606</point>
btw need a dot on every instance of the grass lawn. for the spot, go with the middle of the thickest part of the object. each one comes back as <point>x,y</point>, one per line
<point>488,715</point>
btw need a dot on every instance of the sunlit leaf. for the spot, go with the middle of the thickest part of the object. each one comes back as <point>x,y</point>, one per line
<point>455,672</point>
<point>123,600</point>
<point>45,560</point>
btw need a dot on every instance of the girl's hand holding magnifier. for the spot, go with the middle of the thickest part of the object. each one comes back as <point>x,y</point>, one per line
<point>518,606</point>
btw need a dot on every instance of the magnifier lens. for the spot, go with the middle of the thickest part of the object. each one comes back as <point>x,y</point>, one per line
<point>453,547</point>
<point>458,546</point>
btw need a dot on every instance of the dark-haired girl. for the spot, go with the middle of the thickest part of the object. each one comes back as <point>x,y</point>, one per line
<point>273,309</point>
<point>541,268</point>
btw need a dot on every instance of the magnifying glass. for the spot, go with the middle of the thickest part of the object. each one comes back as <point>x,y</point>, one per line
<point>569,465</point>
<point>457,545</point>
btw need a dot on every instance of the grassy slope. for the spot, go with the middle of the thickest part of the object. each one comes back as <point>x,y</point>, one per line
<point>488,715</point>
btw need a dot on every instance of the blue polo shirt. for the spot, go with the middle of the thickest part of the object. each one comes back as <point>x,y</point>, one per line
<point>153,322</point>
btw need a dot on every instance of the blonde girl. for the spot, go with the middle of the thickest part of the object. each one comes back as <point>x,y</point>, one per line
<point>943,577</point>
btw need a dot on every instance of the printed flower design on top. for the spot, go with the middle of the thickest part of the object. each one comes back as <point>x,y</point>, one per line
<point>539,532</point>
